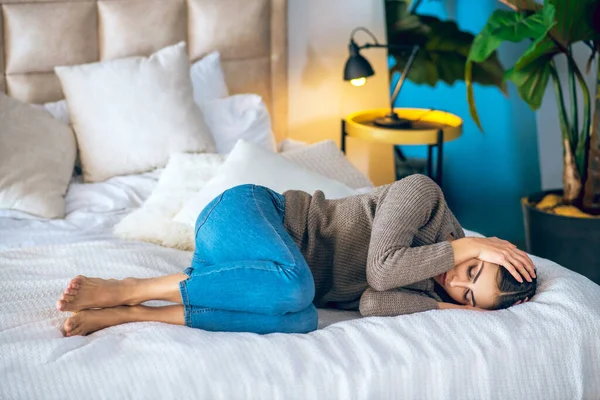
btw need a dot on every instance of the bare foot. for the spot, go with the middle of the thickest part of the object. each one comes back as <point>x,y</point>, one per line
<point>88,321</point>
<point>84,293</point>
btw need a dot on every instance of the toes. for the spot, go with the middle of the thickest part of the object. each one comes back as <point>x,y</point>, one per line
<point>75,332</point>
<point>78,280</point>
<point>66,304</point>
<point>67,298</point>
<point>71,291</point>
<point>61,305</point>
<point>70,325</point>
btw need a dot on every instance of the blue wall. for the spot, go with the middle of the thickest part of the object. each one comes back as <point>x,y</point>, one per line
<point>485,174</point>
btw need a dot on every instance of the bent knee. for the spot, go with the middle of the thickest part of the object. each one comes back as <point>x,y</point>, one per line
<point>294,296</point>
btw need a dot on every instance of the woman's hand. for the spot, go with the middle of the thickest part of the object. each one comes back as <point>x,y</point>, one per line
<point>507,255</point>
<point>495,251</point>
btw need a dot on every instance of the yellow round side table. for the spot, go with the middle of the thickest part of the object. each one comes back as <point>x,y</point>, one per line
<point>428,127</point>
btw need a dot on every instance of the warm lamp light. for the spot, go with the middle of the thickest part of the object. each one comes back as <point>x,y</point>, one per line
<point>358,69</point>
<point>358,81</point>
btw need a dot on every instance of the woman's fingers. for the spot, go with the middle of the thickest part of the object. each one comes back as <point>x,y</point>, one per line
<point>511,268</point>
<point>527,263</point>
<point>520,266</point>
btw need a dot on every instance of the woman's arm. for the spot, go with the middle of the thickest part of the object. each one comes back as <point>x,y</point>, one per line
<point>413,205</point>
<point>394,302</point>
<point>416,205</point>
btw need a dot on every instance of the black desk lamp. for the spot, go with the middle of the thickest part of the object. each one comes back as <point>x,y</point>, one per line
<point>358,69</point>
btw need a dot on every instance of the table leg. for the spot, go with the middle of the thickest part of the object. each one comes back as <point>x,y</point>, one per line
<point>440,155</point>
<point>430,161</point>
<point>344,136</point>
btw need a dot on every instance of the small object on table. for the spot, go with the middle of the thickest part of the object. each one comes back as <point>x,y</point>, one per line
<point>427,127</point>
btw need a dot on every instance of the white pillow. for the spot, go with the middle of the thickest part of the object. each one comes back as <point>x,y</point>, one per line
<point>290,144</point>
<point>249,163</point>
<point>243,116</point>
<point>37,154</point>
<point>184,175</point>
<point>130,114</point>
<point>208,79</point>
<point>328,160</point>
<point>208,84</point>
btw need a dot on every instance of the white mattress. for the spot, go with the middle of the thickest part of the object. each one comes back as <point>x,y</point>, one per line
<point>548,348</point>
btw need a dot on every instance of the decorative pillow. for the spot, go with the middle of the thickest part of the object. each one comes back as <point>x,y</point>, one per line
<point>184,175</point>
<point>37,154</point>
<point>243,116</point>
<point>208,79</point>
<point>249,163</point>
<point>290,144</point>
<point>130,114</point>
<point>328,160</point>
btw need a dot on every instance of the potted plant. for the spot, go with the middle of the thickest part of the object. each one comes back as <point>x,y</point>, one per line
<point>561,224</point>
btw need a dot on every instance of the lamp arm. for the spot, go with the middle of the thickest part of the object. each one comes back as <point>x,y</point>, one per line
<point>354,49</point>
<point>403,76</point>
<point>411,58</point>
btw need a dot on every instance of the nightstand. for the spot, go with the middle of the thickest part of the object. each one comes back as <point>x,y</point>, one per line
<point>431,128</point>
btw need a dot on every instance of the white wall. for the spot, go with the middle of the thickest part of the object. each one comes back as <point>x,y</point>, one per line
<point>319,32</point>
<point>548,124</point>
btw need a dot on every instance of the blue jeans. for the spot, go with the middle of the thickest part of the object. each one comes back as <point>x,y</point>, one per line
<point>247,273</point>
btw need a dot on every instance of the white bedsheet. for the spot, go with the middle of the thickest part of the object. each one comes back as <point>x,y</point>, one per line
<point>546,349</point>
<point>91,212</point>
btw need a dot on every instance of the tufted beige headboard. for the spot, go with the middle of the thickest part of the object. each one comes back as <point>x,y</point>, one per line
<point>37,35</point>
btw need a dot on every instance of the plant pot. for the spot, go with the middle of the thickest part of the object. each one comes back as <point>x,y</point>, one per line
<point>571,242</point>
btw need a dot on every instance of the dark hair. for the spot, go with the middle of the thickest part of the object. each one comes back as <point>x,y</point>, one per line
<point>512,290</point>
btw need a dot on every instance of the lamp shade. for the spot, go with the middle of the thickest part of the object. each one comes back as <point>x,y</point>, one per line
<point>357,67</point>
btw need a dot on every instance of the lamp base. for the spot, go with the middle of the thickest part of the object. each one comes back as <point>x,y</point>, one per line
<point>393,121</point>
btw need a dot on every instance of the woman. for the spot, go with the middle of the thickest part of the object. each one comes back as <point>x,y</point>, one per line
<point>263,261</point>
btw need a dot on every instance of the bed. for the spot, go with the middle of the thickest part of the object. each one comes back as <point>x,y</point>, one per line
<point>548,348</point>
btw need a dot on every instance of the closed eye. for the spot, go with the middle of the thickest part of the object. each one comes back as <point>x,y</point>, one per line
<point>465,296</point>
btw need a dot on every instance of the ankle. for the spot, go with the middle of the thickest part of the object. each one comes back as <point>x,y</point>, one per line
<point>132,293</point>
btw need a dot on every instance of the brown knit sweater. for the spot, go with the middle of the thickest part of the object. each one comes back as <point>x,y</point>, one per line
<point>376,252</point>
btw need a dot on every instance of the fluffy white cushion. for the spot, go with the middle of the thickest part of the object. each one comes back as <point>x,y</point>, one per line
<point>328,160</point>
<point>130,114</point>
<point>184,175</point>
<point>248,163</point>
<point>208,79</point>
<point>239,117</point>
<point>37,154</point>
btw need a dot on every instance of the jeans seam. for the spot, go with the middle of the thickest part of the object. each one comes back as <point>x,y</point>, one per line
<point>237,267</point>
<point>274,230</point>
<point>203,310</point>
<point>208,215</point>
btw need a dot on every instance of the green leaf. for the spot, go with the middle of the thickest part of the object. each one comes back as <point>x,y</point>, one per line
<point>531,81</point>
<point>399,18</point>
<point>471,95</point>
<point>443,54</point>
<point>525,5</point>
<point>513,27</point>
<point>574,20</point>
<point>540,49</point>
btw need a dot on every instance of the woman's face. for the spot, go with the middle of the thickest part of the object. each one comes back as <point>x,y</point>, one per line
<point>471,283</point>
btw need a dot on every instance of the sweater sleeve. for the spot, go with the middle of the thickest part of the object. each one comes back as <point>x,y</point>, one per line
<point>394,302</point>
<point>413,205</point>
